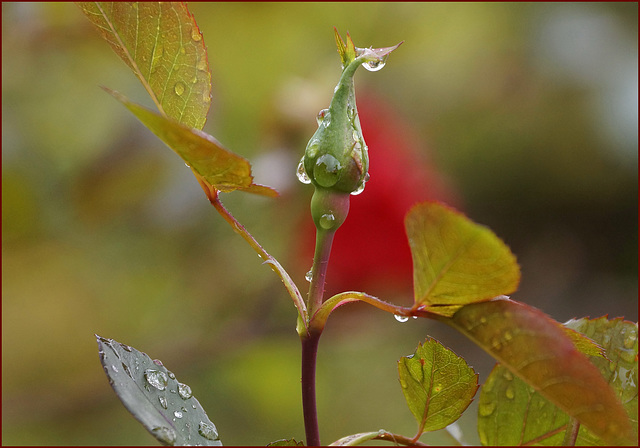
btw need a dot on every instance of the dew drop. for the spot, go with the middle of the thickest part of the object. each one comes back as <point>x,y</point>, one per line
<point>301,173</point>
<point>156,378</point>
<point>195,34</point>
<point>486,409</point>
<point>507,375</point>
<point>114,368</point>
<point>327,221</point>
<point>308,276</point>
<point>163,434</point>
<point>510,393</point>
<point>374,66</point>
<point>157,362</point>
<point>400,318</point>
<point>184,391</point>
<point>359,189</point>
<point>324,118</point>
<point>208,431</point>
<point>630,339</point>
<point>179,88</point>
<point>202,63</point>
<point>163,402</point>
<point>178,414</point>
<point>171,375</point>
<point>403,384</point>
<point>126,347</point>
<point>327,170</point>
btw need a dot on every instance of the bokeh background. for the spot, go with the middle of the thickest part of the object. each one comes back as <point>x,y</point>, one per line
<point>524,116</point>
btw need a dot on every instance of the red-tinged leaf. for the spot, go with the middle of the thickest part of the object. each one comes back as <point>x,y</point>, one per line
<point>534,347</point>
<point>218,167</point>
<point>456,261</point>
<point>437,384</point>
<point>512,413</point>
<point>162,44</point>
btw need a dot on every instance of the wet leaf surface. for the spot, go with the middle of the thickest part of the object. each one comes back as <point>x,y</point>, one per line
<point>162,44</point>
<point>534,347</point>
<point>456,261</point>
<point>438,385</point>
<point>164,406</point>
<point>217,166</point>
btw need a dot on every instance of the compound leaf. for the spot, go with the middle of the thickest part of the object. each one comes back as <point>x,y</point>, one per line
<point>437,384</point>
<point>513,413</point>
<point>165,407</point>
<point>162,44</point>
<point>456,261</point>
<point>535,347</point>
<point>209,160</point>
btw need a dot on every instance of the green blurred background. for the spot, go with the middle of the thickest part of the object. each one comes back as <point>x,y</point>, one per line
<point>529,111</point>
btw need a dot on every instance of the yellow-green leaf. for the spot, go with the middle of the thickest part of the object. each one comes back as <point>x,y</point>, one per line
<point>512,413</point>
<point>162,44</point>
<point>209,160</point>
<point>438,385</point>
<point>535,348</point>
<point>456,261</point>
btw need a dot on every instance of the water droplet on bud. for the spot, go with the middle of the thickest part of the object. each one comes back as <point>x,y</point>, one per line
<point>327,170</point>
<point>301,173</point>
<point>324,118</point>
<point>374,66</point>
<point>308,276</point>
<point>327,221</point>
<point>400,318</point>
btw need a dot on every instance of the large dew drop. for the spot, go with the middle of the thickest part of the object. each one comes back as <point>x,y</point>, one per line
<point>184,391</point>
<point>163,402</point>
<point>374,66</point>
<point>156,378</point>
<point>301,173</point>
<point>308,276</point>
<point>400,318</point>
<point>327,170</point>
<point>208,431</point>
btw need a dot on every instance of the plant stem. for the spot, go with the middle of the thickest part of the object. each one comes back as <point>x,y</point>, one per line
<point>291,287</point>
<point>324,240</point>
<point>309,408</point>
<point>571,435</point>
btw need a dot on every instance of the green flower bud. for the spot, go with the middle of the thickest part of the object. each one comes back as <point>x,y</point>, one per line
<point>336,158</point>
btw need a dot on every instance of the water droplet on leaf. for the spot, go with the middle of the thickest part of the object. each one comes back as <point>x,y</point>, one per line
<point>507,375</point>
<point>400,318</point>
<point>166,435</point>
<point>171,375</point>
<point>486,409</point>
<point>127,371</point>
<point>630,339</point>
<point>178,414</point>
<point>208,431</point>
<point>510,393</point>
<point>114,368</point>
<point>157,362</point>
<point>126,347</point>
<point>327,221</point>
<point>308,276</point>
<point>195,34</point>
<point>202,63</point>
<point>156,378</point>
<point>179,88</point>
<point>184,391</point>
<point>163,402</point>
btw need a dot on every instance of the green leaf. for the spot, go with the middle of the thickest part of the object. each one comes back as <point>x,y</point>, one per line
<point>286,442</point>
<point>438,385</point>
<point>535,347</point>
<point>513,413</point>
<point>456,261</point>
<point>209,160</point>
<point>162,44</point>
<point>165,407</point>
